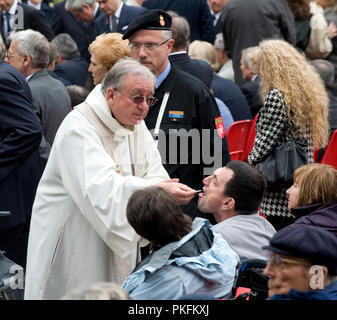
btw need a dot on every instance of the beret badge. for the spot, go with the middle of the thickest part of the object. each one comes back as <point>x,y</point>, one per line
<point>161,21</point>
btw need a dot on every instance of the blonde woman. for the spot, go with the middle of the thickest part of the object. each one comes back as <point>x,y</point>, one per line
<point>313,197</point>
<point>203,50</point>
<point>295,105</point>
<point>105,51</point>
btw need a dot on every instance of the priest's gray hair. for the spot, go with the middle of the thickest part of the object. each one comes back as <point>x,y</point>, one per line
<point>125,67</point>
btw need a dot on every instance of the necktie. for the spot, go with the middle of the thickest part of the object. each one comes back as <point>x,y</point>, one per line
<point>113,26</point>
<point>8,19</point>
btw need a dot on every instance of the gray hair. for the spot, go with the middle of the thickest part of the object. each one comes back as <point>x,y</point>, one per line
<point>166,34</point>
<point>180,31</point>
<point>246,58</point>
<point>34,44</point>
<point>125,67</point>
<point>219,42</point>
<point>78,4</point>
<point>325,69</point>
<point>66,46</point>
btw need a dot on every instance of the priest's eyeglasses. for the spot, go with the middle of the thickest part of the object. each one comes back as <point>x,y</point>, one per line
<point>139,99</point>
<point>147,46</point>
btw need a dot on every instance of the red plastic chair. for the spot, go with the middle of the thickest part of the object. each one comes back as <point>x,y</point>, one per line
<point>237,135</point>
<point>250,140</point>
<point>330,154</point>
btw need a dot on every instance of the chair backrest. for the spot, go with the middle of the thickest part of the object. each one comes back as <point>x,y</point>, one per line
<point>251,139</point>
<point>330,153</point>
<point>251,283</point>
<point>237,135</point>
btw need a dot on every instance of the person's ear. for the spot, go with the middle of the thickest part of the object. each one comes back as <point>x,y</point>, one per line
<point>109,95</point>
<point>27,59</point>
<point>229,203</point>
<point>170,45</point>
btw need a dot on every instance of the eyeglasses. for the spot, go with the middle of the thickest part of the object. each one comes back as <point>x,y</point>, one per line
<point>139,99</point>
<point>282,262</point>
<point>9,55</point>
<point>147,46</point>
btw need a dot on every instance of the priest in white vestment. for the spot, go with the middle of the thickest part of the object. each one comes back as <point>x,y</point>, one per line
<point>101,154</point>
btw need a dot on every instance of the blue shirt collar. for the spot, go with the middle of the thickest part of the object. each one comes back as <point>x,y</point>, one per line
<point>161,77</point>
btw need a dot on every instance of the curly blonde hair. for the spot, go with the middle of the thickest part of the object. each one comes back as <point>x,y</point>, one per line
<point>109,48</point>
<point>280,66</point>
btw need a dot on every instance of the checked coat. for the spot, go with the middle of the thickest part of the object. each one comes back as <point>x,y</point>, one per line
<point>273,128</point>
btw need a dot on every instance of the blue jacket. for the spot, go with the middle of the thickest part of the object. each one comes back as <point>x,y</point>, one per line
<point>200,263</point>
<point>20,136</point>
<point>328,293</point>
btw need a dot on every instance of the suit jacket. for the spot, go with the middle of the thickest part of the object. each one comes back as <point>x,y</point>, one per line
<point>45,8</point>
<point>74,70</point>
<point>32,19</point>
<point>198,68</point>
<point>128,13</point>
<point>246,23</point>
<point>251,91</point>
<point>228,91</point>
<point>196,12</point>
<point>62,21</point>
<point>51,106</point>
<point>20,135</point>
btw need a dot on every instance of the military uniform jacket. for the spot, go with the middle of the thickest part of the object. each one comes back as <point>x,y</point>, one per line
<point>190,106</point>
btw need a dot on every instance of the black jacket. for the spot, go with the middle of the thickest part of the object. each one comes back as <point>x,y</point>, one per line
<point>198,68</point>
<point>252,93</point>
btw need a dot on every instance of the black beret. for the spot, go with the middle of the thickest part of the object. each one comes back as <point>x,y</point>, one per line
<point>312,243</point>
<point>154,19</point>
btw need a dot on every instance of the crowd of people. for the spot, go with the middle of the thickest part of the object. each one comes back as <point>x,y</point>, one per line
<point>116,179</point>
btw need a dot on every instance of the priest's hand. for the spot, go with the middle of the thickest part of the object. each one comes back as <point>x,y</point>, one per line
<point>181,192</point>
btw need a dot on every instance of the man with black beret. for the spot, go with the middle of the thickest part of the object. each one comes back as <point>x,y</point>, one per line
<point>302,264</point>
<point>186,120</point>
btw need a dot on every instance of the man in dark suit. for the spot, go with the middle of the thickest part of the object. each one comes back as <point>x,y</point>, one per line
<point>246,23</point>
<point>50,97</point>
<point>42,6</point>
<point>70,65</point>
<point>216,9</point>
<point>326,71</point>
<point>179,57</point>
<point>20,167</point>
<point>251,89</point>
<point>15,16</point>
<point>117,15</point>
<point>196,12</point>
<point>78,22</point>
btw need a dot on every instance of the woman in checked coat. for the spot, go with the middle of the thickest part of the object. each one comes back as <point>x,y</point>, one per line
<point>295,106</point>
